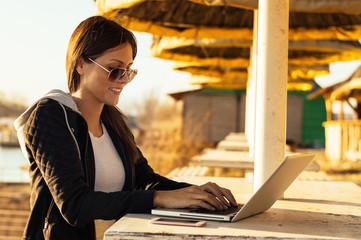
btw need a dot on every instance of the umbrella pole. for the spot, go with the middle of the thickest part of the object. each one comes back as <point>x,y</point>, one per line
<point>271,103</point>
<point>251,90</point>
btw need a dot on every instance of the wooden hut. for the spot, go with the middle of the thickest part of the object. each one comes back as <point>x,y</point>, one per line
<point>210,114</point>
<point>343,137</point>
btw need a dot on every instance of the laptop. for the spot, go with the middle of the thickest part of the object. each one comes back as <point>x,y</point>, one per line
<point>262,200</point>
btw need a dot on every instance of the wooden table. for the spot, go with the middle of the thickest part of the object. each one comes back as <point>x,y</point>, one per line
<point>233,145</point>
<point>236,136</point>
<point>310,210</point>
<point>211,157</point>
<point>224,159</point>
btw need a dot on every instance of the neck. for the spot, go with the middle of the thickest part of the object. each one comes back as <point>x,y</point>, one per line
<point>91,113</point>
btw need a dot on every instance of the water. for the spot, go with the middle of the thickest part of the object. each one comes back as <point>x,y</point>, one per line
<point>11,162</point>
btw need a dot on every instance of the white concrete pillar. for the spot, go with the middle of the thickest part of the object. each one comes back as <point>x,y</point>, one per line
<point>271,103</point>
<point>251,89</point>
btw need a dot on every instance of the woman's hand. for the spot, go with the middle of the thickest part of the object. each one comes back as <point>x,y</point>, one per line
<point>209,196</point>
<point>222,194</point>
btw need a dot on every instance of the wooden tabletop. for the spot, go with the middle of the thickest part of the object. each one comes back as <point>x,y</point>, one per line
<point>309,210</point>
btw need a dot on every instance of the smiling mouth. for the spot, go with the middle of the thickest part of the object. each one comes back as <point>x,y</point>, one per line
<point>118,90</point>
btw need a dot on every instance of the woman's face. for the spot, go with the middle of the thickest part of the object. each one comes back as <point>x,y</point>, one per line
<point>94,86</point>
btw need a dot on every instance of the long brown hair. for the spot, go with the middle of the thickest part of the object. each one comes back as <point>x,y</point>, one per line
<point>92,38</point>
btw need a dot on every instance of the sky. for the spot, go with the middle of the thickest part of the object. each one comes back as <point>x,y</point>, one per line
<point>33,43</point>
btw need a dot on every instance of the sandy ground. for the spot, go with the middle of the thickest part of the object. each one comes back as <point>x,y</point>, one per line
<point>14,188</point>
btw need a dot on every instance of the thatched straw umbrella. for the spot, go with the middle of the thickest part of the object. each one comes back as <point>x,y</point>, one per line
<point>241,83</point>
<point>233,19</point>
<point>320,19</point>
<point>218,83</point>
<point>316,6</point>
<point>223,73</point>
<point>236,53</point>
<point>228,59</point>
<point>295,72</point>
<point>334,6</point>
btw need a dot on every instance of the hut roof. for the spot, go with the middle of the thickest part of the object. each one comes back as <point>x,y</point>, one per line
<point>349,88</point>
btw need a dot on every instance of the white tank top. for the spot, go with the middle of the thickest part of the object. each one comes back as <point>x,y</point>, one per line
<point>109,173</point>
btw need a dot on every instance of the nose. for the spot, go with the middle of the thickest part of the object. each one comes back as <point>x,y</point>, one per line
<point>123,79</point>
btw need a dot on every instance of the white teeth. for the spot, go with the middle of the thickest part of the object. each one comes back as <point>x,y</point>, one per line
<point>115,89</point>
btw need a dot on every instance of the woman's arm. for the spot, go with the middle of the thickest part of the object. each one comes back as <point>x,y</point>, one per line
<point>146,178</point>
<point>174,194</point>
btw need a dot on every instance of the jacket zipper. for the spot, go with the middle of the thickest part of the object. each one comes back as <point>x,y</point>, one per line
<point>46,224</point>
<point>71,130</point>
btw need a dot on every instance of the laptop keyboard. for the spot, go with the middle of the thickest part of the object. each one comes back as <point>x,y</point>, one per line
<point>231,210</point>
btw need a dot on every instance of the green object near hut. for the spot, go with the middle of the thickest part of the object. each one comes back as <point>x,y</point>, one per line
<point>313,115</point>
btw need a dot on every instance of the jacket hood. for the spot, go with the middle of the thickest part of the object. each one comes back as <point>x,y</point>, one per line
<point>55,94</point>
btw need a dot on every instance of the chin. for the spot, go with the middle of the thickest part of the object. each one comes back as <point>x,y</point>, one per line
<point>112,102</point>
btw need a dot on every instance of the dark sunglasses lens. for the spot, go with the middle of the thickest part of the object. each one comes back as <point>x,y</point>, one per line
<point>116,74</point>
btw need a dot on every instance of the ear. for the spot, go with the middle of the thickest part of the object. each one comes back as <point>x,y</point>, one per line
<point>80,66</point>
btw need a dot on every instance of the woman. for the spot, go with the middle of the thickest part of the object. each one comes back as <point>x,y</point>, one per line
<point>86,170</point>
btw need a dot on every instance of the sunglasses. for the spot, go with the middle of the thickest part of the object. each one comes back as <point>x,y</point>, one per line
<point>117,73</point>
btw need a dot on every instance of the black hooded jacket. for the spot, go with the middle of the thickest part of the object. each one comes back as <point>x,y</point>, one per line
<point>63,202</point>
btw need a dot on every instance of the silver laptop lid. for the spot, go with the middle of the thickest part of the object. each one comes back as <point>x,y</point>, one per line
<point>276,184</point>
